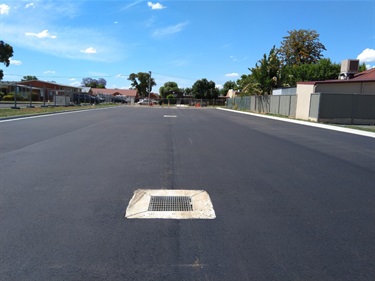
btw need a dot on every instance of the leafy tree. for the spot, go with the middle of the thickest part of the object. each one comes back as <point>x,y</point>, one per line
<point>324,69</point>
<point>29,78</point>
<point>246,85</point>
<point>6,52</point>
<point>229,85</point>
<point>301,47</point>
<point>266,75</point>
<point>204,89</point>
<point>94,83</point>
<point>362,67</point>
<point>140,81</point>
<point>187,91</point>
<point>168,87</point>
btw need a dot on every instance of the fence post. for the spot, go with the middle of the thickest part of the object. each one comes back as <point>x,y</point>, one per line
<point>15,97</point>
<point>31,97</point>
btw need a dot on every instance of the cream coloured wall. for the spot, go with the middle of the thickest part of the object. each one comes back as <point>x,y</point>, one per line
<point>304,92</point>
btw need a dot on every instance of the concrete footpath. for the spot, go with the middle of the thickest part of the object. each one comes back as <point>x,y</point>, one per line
<point>307,123</point>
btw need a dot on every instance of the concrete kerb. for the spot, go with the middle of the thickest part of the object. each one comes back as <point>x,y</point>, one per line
<point>306,123</point>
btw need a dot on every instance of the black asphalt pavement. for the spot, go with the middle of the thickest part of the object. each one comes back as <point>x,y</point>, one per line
<point>292,202</point>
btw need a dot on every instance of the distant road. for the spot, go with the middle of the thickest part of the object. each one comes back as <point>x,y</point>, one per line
<point>292,202</point>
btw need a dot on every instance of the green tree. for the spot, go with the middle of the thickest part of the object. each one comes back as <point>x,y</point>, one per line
<point>168,87</point>
<point>362,67</point>
<point>6,52</point>
<point>94,83</point>
<point>29,78</point>
<point>266,75</point>
<point>324,69</point>
<point>246,85</point>
<point>140,82</point>
<point>301,47</point>
<point>187,91</point>
<point>204,89</point>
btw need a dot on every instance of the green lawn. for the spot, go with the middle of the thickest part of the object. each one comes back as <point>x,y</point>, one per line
<point>9,112</point>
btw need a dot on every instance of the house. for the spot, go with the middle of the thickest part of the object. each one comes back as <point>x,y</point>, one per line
<point>362,83</point>
<point>132,94</point>
<point>49,89</point>
<point>232,93</point>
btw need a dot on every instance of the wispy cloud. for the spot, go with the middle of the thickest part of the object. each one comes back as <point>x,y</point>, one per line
<point>41,35</point>
<point>89,50</point>
<point>156,6</point>
<point>4,9</point>
<point>49,72</point>
<point>162,32</point>
<point>234,58</point>
<point>232,74</point>
<point>128,6</point>
<point>15,62</point>
<point>29,5</point>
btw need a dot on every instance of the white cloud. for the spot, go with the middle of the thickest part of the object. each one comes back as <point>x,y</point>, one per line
<point>42,34</point>
<point>232,74</point>
<point>30,5</point>
<point>89,50</point>
<point>4,9</point>
<point>75,83</point>
<point>169,30</point>
<point>367,56</point>
<point>156,6</point>
<point>15,62</point>
<point>49,72</point>
<point>233,58</point>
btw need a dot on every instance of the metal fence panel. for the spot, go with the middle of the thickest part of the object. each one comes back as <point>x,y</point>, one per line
<point>365,107</point>
<point>282,105</point>
<point>314,106</point>
<point>293,106</point>
<point>347,108</point>
<point>275,104</point>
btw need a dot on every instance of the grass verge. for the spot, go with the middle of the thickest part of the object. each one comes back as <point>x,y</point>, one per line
<point>9,112</point>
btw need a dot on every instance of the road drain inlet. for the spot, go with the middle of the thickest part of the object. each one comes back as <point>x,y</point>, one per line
<point>170,204</point>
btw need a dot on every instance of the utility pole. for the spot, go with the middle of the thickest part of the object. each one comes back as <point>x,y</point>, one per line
<point>149,89</point>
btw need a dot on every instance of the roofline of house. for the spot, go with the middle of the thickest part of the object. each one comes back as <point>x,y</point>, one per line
<point>49,83</point>
<point>335,81</point>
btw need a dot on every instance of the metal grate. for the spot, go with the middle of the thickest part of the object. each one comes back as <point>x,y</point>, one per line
<point>170,204</point>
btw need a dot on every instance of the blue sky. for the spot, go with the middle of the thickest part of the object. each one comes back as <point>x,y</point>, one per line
<point>180,41</point>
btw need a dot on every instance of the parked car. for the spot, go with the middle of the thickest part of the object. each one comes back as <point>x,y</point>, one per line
<point>119,99</point>
<point>146,102</point>
<point>84,98</point>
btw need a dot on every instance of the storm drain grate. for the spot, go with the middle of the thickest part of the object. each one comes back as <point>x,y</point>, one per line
<point>170,204</point>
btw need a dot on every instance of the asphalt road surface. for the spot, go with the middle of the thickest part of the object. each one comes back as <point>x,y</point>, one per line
<point>292,202</point>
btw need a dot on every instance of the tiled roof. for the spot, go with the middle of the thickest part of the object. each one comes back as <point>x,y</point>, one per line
<point>364,76</point>
<point>114,92</point>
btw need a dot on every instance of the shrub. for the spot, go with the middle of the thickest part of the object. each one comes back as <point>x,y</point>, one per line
<point>10,97</point>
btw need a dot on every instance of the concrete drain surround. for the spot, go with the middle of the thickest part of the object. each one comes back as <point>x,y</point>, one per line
<point>170,204</point>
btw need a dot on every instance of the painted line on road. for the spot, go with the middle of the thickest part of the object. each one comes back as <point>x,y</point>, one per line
<point>317,125</point>
<point>50,114</point>
<point>170,116</point>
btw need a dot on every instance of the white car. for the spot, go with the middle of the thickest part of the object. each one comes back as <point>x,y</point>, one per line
<point>145,102</point>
